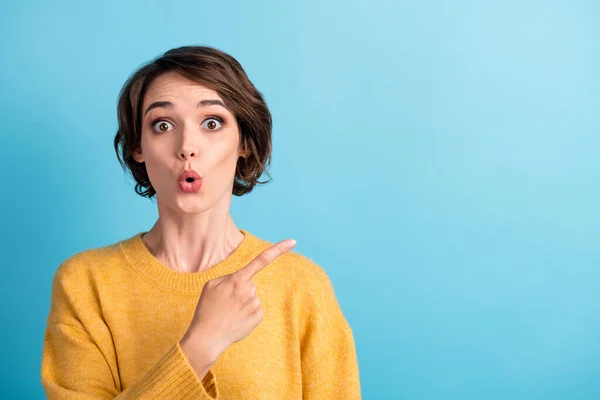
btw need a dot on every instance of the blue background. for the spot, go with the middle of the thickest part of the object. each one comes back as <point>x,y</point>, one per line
<point>438,159</point>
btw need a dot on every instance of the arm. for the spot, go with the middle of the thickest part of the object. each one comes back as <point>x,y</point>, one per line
<point>328,352</point>
<point>80,362</point>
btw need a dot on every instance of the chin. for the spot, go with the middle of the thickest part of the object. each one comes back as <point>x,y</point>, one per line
<point>191,204</point>
<point>184,203</point>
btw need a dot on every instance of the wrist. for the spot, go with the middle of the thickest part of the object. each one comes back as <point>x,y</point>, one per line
<point>199,349</point>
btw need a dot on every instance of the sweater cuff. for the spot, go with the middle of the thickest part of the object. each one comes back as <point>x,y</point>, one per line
<point>174,378</point>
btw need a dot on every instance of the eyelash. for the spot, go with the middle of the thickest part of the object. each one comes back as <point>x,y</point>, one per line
<point>166,120</point>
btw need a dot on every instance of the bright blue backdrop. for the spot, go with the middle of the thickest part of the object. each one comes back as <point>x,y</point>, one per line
<point>438,158</point>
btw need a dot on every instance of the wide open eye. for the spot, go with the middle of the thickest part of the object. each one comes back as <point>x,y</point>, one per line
<point>160,125</point>
<point>212,123</point>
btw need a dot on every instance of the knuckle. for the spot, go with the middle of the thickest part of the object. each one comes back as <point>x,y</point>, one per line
<point>248,295</point>
<point>263,258</point>
<point>236,283</point>
<point>211,283</point>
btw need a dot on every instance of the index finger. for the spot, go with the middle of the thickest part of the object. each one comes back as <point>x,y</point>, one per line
<point>265,258</point>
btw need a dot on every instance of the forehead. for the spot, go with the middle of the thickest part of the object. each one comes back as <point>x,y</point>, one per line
<point>176,88</point>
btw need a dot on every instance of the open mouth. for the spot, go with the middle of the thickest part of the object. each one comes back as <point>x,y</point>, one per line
<point>190,184</point>
<point>190,178</point>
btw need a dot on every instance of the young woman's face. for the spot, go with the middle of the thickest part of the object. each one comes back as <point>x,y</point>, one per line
<point>183,128</point>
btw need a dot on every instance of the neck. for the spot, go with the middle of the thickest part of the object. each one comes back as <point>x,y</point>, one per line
<point>193,242</point>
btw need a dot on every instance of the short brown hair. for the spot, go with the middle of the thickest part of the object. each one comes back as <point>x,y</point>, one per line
<point>218,71</point>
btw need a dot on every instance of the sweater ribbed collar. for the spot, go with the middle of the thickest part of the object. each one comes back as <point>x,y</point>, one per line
<point>144,262</point>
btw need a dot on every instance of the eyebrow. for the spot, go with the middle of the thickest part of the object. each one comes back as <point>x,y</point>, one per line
<point>168,104</point>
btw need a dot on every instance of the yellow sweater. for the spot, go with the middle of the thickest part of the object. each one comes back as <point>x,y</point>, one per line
<point>117,315</point>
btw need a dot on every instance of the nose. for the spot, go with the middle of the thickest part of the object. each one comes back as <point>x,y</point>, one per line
<point>186,153</point>
<point>189,147</point>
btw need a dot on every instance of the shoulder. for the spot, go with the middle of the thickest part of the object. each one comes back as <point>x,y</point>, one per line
<point>309,284</point>
<point>81,267</point>
<point>291,258</point>
<point>315,296</point>
<point>299,267</point>
<point>306,271</point>
<point>77,281</point>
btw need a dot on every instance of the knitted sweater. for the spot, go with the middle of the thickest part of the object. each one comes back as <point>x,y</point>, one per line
<point>117,315</point>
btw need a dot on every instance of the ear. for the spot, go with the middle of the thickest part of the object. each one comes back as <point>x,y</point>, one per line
<point>243,152</point>
<point>137,155</point>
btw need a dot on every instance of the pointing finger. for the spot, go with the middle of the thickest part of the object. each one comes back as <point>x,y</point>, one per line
<point>265,258</point>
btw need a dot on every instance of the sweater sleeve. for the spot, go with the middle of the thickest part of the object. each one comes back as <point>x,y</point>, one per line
<point>328,353</point>
<point>79,362</point>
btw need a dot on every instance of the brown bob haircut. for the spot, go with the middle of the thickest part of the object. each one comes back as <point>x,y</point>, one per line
<point>218,71</point>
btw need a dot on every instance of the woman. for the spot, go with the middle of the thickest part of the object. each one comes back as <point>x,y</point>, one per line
<point>195,307</point>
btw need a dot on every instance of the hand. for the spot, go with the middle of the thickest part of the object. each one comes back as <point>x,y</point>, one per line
<point>228,308</point>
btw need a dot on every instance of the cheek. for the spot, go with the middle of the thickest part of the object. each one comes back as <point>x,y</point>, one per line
<point>157,162</point>
<point>223,162</point>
